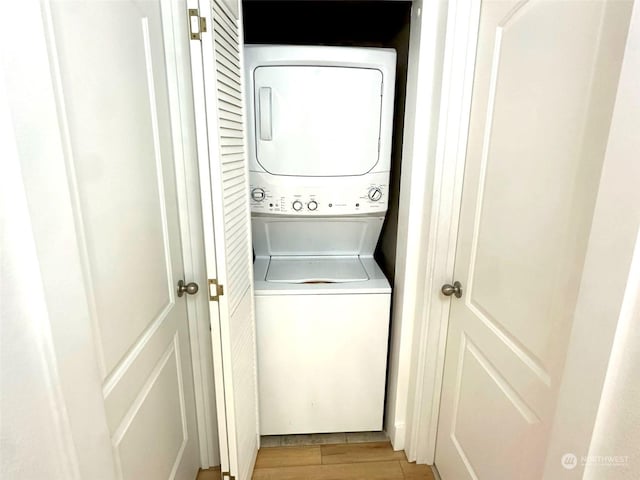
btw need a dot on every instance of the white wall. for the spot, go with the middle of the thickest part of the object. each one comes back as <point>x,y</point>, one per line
<point>598,411</point>
<point>34,431</point>
<point>617,429</point>
<point>66,387</point>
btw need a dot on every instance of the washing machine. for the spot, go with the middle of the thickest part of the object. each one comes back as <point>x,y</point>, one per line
<point>319,129</point>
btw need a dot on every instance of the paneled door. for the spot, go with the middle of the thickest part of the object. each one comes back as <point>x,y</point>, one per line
<point>217,70</point>
<point>109,62</point>
<point>545,80</point>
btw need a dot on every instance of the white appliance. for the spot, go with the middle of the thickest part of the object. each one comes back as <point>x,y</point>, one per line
<point>320,123</point>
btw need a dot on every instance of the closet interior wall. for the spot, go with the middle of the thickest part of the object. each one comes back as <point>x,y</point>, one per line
<point>382,24</point>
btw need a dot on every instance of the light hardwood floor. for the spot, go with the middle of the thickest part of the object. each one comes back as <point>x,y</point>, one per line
<point>355,461</point>
<point>211,474</point>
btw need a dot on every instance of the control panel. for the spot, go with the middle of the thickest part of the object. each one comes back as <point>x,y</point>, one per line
<point>326,196</point>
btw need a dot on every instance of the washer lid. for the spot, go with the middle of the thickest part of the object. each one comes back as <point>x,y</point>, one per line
<point>317,121</point>
<point>316,270</point>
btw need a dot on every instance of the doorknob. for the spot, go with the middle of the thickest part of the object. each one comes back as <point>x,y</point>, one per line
<point>190,288</point>
<point>455,289</point>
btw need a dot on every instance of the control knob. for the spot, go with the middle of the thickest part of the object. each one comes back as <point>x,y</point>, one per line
<point>297,205</point>
<point>312,205</point>
<point>257,194</point>
<point>375,194</point>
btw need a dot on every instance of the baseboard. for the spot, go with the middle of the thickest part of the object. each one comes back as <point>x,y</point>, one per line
<point>436,474</point>
<point>397,434</point>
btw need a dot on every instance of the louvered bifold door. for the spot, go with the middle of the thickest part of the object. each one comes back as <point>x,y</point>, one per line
<point>227,185</point>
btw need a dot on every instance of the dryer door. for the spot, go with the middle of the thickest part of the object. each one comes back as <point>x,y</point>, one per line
<point>317,121</point>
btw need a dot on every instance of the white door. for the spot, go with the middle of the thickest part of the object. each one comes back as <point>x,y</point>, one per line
<point>109,61</point>
<point>545,80</point>
<point>217,71</point>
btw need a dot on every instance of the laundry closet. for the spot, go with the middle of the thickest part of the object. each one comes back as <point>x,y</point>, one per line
<point>320,123</point>
<point>320,111</point>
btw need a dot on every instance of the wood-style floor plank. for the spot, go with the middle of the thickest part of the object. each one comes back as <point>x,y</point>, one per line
<point>413,471</point>
<point>366,437</point>
<point>211,474</point>
<point>346,461</point>
<point>288,456</point>
<point>355,471</point>
<point>360,452</point>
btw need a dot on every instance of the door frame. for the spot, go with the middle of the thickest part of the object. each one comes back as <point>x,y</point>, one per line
<point>580,385</point>
<point>424,76</point>
<point>191,227</point>
<point>441,219</point>
<point>202,63</point>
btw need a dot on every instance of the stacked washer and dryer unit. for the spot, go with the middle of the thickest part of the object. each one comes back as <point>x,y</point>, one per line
<point>320,124</point>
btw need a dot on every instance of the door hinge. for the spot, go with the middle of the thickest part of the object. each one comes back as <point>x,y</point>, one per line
<point>215,290</point>
<point>228,475</point>
<point>197,24</point>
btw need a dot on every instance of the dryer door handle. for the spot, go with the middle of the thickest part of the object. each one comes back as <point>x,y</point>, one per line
<point>264,113</point>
